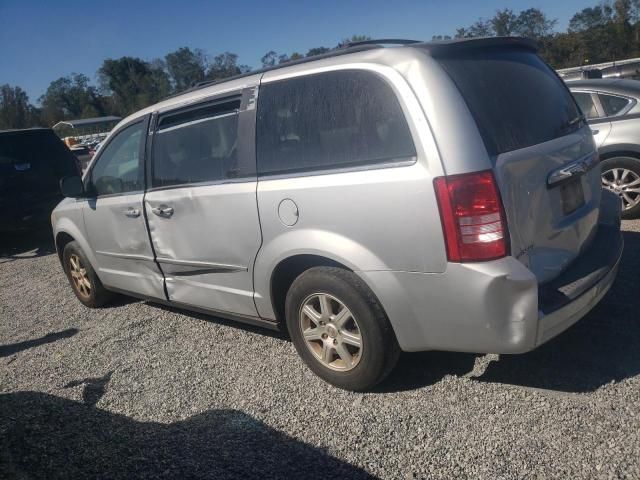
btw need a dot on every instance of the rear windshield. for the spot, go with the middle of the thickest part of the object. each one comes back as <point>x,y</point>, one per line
<point>516,99</point>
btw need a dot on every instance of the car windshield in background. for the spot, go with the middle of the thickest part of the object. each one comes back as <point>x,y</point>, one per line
<point>515,98</point>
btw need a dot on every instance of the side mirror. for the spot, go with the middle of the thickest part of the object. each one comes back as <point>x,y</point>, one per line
<point>72,187</point>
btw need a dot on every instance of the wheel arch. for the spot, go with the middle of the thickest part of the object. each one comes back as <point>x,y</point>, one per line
<point>61,240</point>
<point>622,150</point>
<point>287,270</point>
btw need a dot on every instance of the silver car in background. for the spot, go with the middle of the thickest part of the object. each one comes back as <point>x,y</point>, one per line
<point>612,108</point>
<point>427,196</point>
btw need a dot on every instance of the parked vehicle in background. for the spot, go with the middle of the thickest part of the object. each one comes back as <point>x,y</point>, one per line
<point>369,200</point>
<point>32,162</point>
<point>83,154</point>
<point>612,108</point>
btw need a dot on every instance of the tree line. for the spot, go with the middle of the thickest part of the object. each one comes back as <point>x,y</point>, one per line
<point>608,31</point>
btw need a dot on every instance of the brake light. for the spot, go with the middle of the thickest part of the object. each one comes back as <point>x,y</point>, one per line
<point>473,219</point>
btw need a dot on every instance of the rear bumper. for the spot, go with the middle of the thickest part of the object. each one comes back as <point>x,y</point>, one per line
<point>498,306</point>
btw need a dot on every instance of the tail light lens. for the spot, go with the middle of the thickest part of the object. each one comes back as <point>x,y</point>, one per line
<point>472,216</point>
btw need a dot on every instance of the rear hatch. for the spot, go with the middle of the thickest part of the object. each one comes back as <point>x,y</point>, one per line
<point>542,152</point>
<point>32,162</point>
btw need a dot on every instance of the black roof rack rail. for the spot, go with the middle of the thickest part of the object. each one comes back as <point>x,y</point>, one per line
<point>380,42</point>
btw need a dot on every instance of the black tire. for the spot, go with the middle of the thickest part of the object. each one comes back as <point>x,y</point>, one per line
<point>380,350</point>
<point>628,163</point>
<point>96,295</point>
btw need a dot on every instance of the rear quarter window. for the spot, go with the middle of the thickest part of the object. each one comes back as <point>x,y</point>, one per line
<point>613,104</point>
<point>515,98</point>
<point>330,120</point>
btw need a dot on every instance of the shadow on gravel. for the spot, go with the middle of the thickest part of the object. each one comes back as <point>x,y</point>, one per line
<point>14,246</point>
<point>420,369</point>
<point>602,347</point>
<point>213,319</point>
<point>94,388</point>
<point>6,350</point>
<point>44,436</point>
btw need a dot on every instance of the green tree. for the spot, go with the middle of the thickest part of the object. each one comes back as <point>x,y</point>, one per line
<point>533,23</point>
<point>70,97</point>
<point>133,83</point>
<point>480,28</point>
<point>15,109</point>
<point>186,67</point>
<point>591,17</point>
<point>224,66</point>
<point>317,51</point>
<point>504,22</point>
<point>269,59</point>
<point>353,39</point>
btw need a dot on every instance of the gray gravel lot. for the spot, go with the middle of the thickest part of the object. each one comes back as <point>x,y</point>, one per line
<point>138,390</point>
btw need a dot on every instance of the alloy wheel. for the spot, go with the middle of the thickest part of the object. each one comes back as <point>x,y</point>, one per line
<point>625,183</point>
<point>331,332</point>
<point>79,276</point>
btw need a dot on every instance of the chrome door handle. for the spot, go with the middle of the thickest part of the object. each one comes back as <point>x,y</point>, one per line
<point>163,211</point>
<point>132,212</point>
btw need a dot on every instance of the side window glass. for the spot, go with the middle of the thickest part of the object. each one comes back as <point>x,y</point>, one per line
<point>195,146</point>
<point>612,104</point>
<point>118,169</point>
<point>330,120</point>
<point>585,102</point>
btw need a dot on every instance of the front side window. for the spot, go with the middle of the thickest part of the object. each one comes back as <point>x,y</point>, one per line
<point>199,145</point>
<point>585,102</point>
<point>612,104</point>
<point>330,120</point>
<point>119,170</point>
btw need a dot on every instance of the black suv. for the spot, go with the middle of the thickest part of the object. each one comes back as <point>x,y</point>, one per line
<point>32,162</point>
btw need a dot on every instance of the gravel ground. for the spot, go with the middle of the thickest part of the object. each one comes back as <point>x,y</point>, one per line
<point>138,390</point>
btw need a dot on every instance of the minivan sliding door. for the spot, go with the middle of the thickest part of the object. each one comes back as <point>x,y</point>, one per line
<point>201,204</point>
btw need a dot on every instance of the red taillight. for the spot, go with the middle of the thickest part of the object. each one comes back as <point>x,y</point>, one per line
<point>473,219</point>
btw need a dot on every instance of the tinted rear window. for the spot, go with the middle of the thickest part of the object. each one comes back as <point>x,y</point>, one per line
<point>516,99</point>
<point>613,104</point>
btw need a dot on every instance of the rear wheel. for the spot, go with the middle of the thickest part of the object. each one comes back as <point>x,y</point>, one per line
<point>621,175</point>
<point>339,328</point>
<point>82,277</point>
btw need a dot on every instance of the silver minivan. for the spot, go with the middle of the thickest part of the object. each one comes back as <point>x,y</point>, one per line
<point>425,196</point>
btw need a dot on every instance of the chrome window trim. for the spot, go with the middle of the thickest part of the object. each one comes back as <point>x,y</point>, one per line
<point>204,184</point>
<point>195,122</point>
<point>391,163</point>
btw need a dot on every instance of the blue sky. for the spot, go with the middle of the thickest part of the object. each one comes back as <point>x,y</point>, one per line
<point>44,40</point>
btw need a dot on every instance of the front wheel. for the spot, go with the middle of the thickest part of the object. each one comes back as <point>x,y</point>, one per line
<point>339,328</point>
<point>621,175</point>
<point>82,277</point>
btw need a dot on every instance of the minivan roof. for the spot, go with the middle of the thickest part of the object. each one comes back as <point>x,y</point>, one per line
<point>436,48</point>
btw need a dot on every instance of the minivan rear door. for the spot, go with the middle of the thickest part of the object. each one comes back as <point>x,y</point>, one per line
<point>541,149</point>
